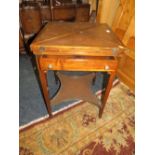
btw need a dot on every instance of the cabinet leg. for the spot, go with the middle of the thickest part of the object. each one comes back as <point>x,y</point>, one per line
<point>106,94</point>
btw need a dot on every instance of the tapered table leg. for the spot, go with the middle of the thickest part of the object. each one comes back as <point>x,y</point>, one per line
<point>107,91</point>
<point>44,85</point>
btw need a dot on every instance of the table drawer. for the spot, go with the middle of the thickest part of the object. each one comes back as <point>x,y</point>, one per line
<point>77,63</point>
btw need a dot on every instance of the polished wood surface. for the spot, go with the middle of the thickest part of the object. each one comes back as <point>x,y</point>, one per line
<point>86,39</point>
<point>76,47</point>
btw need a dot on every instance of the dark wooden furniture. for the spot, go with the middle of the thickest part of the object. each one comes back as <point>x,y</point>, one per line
<point>82,12</point>
<point>60,2</point>
<point>76,47</point>
<point>45,11</point>
<point>63,12</point>
<point>68,11</point>
<point>30,18</point>
<point>21,43</point>
<point>34,14</point>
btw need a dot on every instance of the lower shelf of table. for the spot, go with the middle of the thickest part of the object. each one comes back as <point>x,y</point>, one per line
<point>75,87</point>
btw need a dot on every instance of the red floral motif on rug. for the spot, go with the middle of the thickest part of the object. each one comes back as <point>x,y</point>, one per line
<point>25,151</point>
<point>88,119</point>
<point>96,147</point>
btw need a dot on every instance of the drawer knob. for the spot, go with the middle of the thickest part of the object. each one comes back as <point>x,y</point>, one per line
<point>42,49</point>
<point>107,67</point>
<point>50,66</point>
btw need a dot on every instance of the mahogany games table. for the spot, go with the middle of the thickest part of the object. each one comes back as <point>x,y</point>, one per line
<point>90,47</point>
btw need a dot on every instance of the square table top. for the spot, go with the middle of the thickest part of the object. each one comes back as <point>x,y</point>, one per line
<point>85,39</point>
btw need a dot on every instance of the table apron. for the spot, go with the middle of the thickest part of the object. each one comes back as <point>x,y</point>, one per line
<point>77,64</point>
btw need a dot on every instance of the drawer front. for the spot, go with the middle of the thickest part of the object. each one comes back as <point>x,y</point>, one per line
<point>77,64</point>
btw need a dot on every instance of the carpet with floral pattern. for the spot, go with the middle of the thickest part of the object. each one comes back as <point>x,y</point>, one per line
<point>79,131</point>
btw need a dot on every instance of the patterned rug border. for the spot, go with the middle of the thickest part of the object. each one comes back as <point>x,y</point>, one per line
<point>61,111</point>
